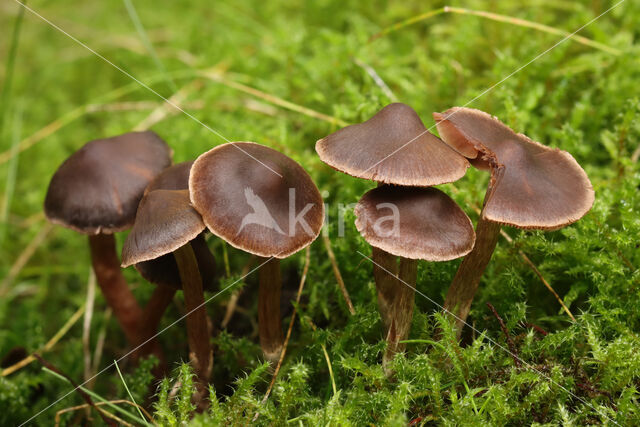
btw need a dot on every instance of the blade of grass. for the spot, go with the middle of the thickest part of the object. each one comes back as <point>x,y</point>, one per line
<point>97,352</point>
<point>165,109</point>
<point>86,324</point>
<point>115,362</point>
<point>98,404</point>
<point>78,112</point>
<point>49,345</point>
<point>9,69</point>
<point>24,257</point>
<point>49,366</point>
<point>12,172</point>
<point>498,18</point>
<point>337,274</point>
<point>96,396</point>
<point>216,76</point>
<point>87,407</point>
<point>326,357</point>
<point>133,14</point>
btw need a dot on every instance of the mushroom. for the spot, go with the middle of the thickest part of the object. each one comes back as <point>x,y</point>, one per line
<point>531,187</point>
<point>96,192</point>
<point>264,203</point>
<point>163,271</point>
<point>393,147</point>
<point>167,224</point>
<point>429,226</point>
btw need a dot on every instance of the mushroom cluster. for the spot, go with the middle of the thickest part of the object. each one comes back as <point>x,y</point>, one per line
<point>264,203</point>
<point>531,187</point>
<point>404,219</point>
<point>249,195</point>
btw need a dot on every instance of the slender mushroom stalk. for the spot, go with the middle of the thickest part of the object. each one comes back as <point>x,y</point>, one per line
<point>96,192</point>
<point>262,202</point>
<point>531,187</point>
<point>426,225</point>
<point>402,308</point>
<point>385,272</point>
<point>114,287</point>
<point>269,320</point>
<point>198,335</point>
<point>166,224</point>
<point>465,283</point>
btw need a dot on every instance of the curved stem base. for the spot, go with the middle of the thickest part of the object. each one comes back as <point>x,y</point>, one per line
<point>465,283</point>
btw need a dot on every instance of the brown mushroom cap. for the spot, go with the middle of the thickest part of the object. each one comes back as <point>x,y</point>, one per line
<point>245,203</point>
<point>164,269</point>
<point>98,188</point>
<point>533,186</point>
<point>386,148</point>
<point>165,221</point>
<point>430,225</point>
<point>174,177</point>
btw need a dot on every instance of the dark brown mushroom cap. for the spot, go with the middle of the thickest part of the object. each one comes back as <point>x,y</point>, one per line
<point>532,186</point>
<point>98,188</point>
<point>392,147</point>
<point>429,224</point>
<point>164,270</point>
<point>242,190</point>
<point>174,177</point>
<point>165,221</point>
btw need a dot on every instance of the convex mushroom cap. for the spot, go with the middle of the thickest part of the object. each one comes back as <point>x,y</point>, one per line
<point>165,222</point>
<point>416,223</point>
<point>98,188</point>
<point>532,186</point>
<point>392,147</point>
<point>257,199</point>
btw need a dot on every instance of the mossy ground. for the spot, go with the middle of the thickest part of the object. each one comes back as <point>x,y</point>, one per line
<point>315,55</point>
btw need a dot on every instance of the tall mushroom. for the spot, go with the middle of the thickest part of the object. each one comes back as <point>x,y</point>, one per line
<point>531,187</point>
<point>393,147</point>
<point>167,224</point>
<point>429,226</point>
<point>163,271</point>
<point>96,192</point>
<point>264,203</point>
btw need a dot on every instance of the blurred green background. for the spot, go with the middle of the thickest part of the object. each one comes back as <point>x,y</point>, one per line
<point>284,74</point>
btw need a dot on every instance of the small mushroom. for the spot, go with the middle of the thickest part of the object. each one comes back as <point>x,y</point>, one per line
<point>96,192</point>
<point>393,147</point>
<point>411,223</point>
<point>163,271</point>
<point>531,187</point>
<point>166,224</point>
<point>264,203</point>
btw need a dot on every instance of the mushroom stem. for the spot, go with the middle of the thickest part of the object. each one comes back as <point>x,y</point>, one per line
<point>152,314</point>
<point>113,285</point>
<point>269,321</point>
<point>200,351</point>
<point>465,283</point>
<point>401,309</point>
<point>385,272</point>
